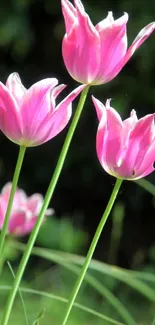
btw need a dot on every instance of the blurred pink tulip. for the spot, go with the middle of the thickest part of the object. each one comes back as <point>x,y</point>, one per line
<point>96,54</point>
<point>125,149</point>
<point>25,210</point>
<point>31,117</point>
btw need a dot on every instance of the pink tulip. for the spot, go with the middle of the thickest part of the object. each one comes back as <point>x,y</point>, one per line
<point>125,149</point>
<point>31,117</point>
<point>96,54</point>
<point>25,210</point>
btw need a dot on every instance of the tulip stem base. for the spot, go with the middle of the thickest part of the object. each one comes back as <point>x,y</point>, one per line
<point>12,193</point>
<point>92,248</point>
<point>47,199</point>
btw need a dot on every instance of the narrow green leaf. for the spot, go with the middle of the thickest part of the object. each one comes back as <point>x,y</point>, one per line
<point>20,294</point>
<point>113,271</point>
<point>105,292</point>
<point>62,299</point>
<point>39,317</point>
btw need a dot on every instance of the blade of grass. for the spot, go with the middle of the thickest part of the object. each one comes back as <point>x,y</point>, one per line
<point>110,270</point>
<point>98,286</point>
<point>41,315</point>
<point>20,294</point>
<point>62,299</point>
<point>91,280</point>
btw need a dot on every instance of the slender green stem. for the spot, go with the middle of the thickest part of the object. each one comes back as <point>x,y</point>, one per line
<point>91,249</point>
<point>12,193</point>
<point>148,186</point>
<point>47,199</point>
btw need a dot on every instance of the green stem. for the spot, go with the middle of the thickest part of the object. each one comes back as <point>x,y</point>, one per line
<point>12,193</point>
<point>148,186</point>
<point>92,248</point>
<point>47,199</point>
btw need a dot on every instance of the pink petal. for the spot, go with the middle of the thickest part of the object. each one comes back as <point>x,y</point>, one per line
<point>147,171</point>
<point>69,13</point>
<point>100,108</point>
<point>16,87</point>
<point>141,37</point>
<point>10,119</point>
<point>54,93</point>
<point>29,225</point>
<point>144,131</point>
<point>55,122</point>
<point>16,223</point>
<point>20,195</point>
<point>108,140</point>
<point>67,100</point>
<point>113,41</point>
<point>137,146</point>
<point>139,40</point>
<point>36,105</point>
<point>81,48</point>
<point>130,122</point>
<point>128,126</point>
<point>34,203</point>
<point>105,24</point>
<point>6,190</point>
<point>146,165</point>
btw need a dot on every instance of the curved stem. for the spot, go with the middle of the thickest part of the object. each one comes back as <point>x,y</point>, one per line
<point>12,193</point>
<point>47,199</point>
<point>92,248</point>
<point>148,186</point>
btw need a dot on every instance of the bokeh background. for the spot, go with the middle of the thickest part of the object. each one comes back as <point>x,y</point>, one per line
<point>31,32</point>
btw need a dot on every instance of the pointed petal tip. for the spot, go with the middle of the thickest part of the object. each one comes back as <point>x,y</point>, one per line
<point>79,6</point>
<point>107,104</point>
<point>133,113</point>
<point>80,88</point>
<point>99,107</point>
<point>96,101</point>
<point>14,76</point>
<point>120,21</point>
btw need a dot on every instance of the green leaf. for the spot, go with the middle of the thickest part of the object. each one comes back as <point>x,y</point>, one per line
<point>62,299</point>
<point>39,317</point>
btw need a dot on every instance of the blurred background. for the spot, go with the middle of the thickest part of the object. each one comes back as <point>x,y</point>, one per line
<point>31,32</point>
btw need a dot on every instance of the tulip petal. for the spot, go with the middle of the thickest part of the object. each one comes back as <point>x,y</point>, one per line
<point>69,13</point>
<point>141,37</point>
<point>24,212</point>
<point>36,105</point>
<point>113,41</point>
<point>55,122</point>
<point>146,166</point>
<point>10,119</point>
<point>100,108</point>
<point>34,203</point>
<point>136,147</point>
<point>16,87</point>
<point>139,40</point>
<point>108,141</point>
<point>54,94</point>
<point>81,48</point>
<point>16,223</point>
<point>20,195</point>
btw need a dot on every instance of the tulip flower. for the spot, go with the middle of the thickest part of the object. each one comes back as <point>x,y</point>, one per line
<point>125,149</point>
<point>31,117</point>
<point>96,54</point>
<point>25,210</point>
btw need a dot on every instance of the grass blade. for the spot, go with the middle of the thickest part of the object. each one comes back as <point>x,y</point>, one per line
<point>64,300</point>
